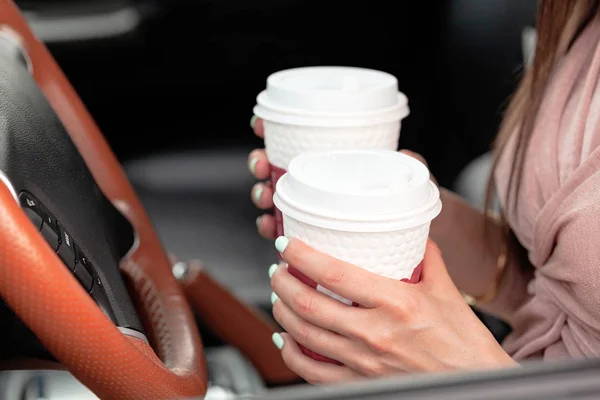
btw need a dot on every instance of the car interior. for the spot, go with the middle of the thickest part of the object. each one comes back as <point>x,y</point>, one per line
<point>130,265</point>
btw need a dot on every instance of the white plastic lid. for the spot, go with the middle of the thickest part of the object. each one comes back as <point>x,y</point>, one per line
<point>358,191</point>
<point>331,96</point>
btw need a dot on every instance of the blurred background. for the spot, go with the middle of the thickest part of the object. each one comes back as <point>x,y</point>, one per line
<point>172,85</point>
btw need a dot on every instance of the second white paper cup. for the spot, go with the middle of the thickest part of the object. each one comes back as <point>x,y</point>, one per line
<point>371,208</point>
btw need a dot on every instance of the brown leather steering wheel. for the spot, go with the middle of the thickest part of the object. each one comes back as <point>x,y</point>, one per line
<point>62,315</point>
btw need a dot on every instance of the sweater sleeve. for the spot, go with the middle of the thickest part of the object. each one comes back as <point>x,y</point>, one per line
<point>557,314</point>
<point>568,284</point>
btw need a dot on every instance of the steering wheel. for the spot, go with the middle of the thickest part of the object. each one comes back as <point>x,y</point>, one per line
<point>69,221</point>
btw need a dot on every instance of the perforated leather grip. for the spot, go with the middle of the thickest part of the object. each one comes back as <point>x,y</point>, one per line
<point>43,293</point>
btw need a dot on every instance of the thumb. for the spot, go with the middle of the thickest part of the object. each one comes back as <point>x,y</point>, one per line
<point>414,155</point>
<point>434,267</point>
<point>420,158</point>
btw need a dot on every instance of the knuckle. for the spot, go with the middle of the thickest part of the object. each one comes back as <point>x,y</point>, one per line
<point>380,341</point>
<point>404,306</point>
<point>313,377</point>
<point>316,379</point>
<point>372,367</point>
<point>303,302</point>
<point>333,274</point>
<point>303,334</point>
<point>358,333</point>
<point>292,257</point>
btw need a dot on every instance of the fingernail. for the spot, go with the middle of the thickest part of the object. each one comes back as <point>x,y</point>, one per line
<point>257,193</point>
<point>272,270</point>
<point>258,222</point>
<point>253,121</point>
<point>274,298</point>
<point>277,340</point>
<point>252,165</point>
<point>281,243</point>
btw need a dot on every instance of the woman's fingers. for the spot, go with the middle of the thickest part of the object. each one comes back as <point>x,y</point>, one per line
<point>257,125</point>
<point>435,274</point>
<point>420,158</point>
<point>312,371</point>
<point>262,195</point>
<point>313,306</point>
<point>317,339</point>
<point>262,192</point>
<point>267,227</point>
<point>414,155</point>
<point>347,280</point>
<point>350,352</point>
<point>258,164</point>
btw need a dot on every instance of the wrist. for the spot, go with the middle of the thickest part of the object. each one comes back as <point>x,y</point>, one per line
<point>462,230</point>
<point>491,355</point>
<point>501,359</point>
<point>487,356</point>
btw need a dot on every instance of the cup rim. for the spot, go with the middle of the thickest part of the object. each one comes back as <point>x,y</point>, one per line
<point>357,223</point>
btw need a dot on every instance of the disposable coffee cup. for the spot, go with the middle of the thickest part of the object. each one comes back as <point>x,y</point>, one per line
<point>319,108</point>
<point>371,208</point>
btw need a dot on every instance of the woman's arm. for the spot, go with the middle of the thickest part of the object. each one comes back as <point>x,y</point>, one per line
<point>471,247</point>
<point>567,286</point>
<point>470,253</point>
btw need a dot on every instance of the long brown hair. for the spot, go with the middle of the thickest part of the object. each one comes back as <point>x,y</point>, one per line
<point>559,23</point>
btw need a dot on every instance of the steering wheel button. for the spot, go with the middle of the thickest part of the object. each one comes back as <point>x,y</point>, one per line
<point>50,221</point>
<point>34,217</point>
<point>82,259</point>
<point>83,276</point>
<point>67,239</point>
<point>28,201</point>
<point>50,236</point>
<point>67,254</point>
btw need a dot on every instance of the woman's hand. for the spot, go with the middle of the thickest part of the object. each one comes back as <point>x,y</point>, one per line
<point>262,192</point>
<point>400,328</point>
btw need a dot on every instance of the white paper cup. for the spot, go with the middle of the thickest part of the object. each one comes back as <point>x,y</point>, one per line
<point>371,208</point>
<point>319,108</point>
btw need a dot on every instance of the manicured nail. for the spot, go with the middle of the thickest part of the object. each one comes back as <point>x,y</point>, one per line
<point>274,298</point>
<point>272,270</point>
<point>281,243</point>
<point>253,121</point>
<point>277,340</point>
<point>258,222</point>
<point>252,165</point>
<point>258,193</point>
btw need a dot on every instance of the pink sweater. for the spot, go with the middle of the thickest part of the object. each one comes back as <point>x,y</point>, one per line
<point>557,312</point>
